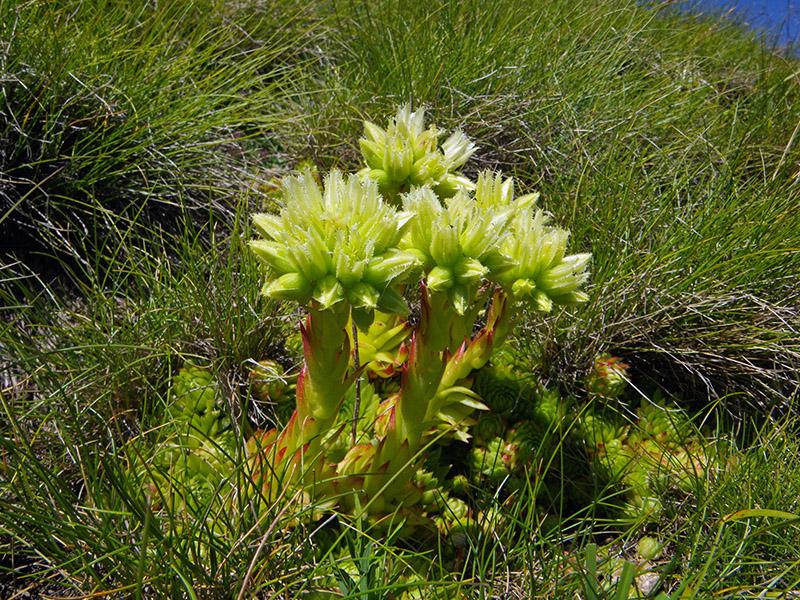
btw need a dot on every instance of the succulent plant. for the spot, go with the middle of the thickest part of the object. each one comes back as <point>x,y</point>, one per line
<point>608,377</point>
<point>512,454</point>
<point>656,452</point>
<point>271,384</point>
<point>548,408</point>
<point>349,254</point>
<point>499,387</point>
<point>194,454</point>
<point>664,424</point>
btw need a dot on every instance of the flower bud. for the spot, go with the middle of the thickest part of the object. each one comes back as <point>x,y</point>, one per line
<point>439,278</point>
<point>451,184</point>
<point>649,548</point>
<point>565,277</point>
<point>372,152</point>
<point>397,159</point>
<point>457,149</point>
<point>275,256</point>
<point>497,263</point>
<point>267,225</point>
<point>542,301</point>
<point>425,143</point>
<point>427,168</point>
<point>445,249</point>
<point>291,286</point>
<point>469,271</point>
<point>394,265</point>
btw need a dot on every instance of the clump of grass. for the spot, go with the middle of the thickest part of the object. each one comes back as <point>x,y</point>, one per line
<point>741,538</point>
<point>113,114</point>
<point>82,377</point>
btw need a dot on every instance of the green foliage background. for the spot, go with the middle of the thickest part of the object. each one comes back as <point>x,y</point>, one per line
<point>136,138</point>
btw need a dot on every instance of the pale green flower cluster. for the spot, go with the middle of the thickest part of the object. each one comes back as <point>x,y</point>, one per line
<point>492,236</point>
<point>406,154</point>
<point>339,244</point>
<point>459,243</point>
<point>348,243</point>
<point>542,273</point>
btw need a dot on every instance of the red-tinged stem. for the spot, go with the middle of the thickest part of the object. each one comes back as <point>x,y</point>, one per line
<point>425,366</point>
<point>475,353</point>
<point>320,390</point>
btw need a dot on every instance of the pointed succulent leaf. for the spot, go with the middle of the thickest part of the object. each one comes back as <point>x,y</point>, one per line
<point>373,132</point>
<point>391,301</point>
<point>363,295</point>
<point>291,286</point>
<point>328,291</point>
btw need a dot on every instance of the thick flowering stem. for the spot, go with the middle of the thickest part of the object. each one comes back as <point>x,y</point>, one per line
<point>321,387</point>
<point>324,378</point>
<point>394,460</point>
<point>423,372</point>
<point>476,352</point>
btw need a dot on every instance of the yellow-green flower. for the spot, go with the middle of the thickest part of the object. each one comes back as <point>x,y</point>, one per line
<point>338,244</point>
<point>542,272</point>
<point>407,154</point>
<point>460,243</point>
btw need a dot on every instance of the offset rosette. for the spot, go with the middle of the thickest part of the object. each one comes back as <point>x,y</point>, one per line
<point>337,245</point>
<point>406,154</point>
<point>542,273</point>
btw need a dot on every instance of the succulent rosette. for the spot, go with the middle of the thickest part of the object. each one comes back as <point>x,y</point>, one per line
<point>407,154</point>
<point>335,245</point>
<point>608,377</point>
<point>382,346</point>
